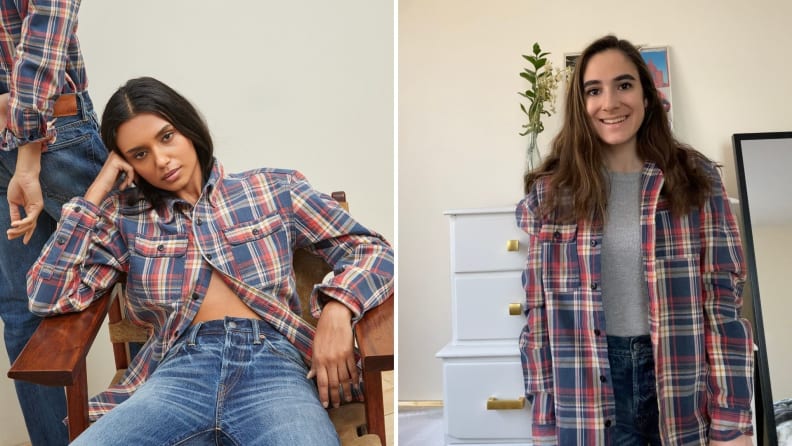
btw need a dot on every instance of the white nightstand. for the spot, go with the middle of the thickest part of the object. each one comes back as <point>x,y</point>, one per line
<point>482,376</point>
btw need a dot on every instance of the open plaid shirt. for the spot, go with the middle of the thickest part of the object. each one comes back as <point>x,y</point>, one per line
<point>246,226</point>
<point>38,48</point>
<point>703,352</point>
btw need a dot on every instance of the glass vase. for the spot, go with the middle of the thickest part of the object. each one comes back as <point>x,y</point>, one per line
<point>532,156</point>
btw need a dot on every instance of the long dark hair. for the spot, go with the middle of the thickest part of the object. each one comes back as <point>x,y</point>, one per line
<point>578,185</point>
<point>148,95</point>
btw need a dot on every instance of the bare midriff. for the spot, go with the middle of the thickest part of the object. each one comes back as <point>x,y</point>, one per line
<point>221,301</point>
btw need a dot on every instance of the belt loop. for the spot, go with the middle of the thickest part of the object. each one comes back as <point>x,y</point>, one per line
<point>256,334</point>
<point>194,334</point>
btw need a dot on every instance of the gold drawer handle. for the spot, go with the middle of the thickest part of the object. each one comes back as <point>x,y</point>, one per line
<point>515,309</point>
<point>496,404</point>
<point>512,245</point>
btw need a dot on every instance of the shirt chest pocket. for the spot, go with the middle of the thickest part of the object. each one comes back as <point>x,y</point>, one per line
<point>676,238</point>
<point>560,263</point>
<point>259,250</point>
<point>156,267</point>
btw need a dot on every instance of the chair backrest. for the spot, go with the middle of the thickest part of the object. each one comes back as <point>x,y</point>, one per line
<point>308,268</point>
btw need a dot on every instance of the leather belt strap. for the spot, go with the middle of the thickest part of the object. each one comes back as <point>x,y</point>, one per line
<point>65,105</point>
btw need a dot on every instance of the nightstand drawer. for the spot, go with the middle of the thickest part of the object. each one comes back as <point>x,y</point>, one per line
<point>468,388</point>
<point>487,242</point>
<point>482,304</point>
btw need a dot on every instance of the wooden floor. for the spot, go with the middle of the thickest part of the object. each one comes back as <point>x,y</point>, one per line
<point>387,401</point>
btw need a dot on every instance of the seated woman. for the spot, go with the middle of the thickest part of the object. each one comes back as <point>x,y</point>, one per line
<point>207,257</point>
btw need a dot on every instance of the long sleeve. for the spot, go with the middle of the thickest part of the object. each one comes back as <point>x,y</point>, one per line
<point>78,263</point>
<point>362,260</point>
<point>728,337</point>
<point>534,339</point>
<point>46,45</point>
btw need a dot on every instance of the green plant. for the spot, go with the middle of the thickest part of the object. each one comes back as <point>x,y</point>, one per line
<point>544,80</point>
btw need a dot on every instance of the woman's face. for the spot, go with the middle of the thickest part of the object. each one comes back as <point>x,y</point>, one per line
<point>161,155</point>
<point>614,98</point>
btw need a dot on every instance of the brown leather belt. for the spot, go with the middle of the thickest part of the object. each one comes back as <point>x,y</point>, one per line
<point>65,105</point>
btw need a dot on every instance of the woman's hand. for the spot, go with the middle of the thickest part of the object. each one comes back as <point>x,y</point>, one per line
<point>743,440</point>
<point>108,177</point>
<point>333,362</point>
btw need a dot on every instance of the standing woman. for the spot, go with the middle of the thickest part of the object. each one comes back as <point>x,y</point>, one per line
<point>207,257</point>
<point>634,275</point>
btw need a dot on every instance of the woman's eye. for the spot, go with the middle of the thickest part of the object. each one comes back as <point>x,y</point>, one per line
<point>139,155</point>
<point>167,136</point>
<point>592,92</point>
<point>625,86</point>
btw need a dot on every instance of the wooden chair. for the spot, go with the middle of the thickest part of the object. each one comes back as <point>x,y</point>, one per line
<point>56,354</point>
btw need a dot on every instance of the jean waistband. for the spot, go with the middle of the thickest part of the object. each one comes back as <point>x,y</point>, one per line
<point>632,344</point>
<point>257,327</point>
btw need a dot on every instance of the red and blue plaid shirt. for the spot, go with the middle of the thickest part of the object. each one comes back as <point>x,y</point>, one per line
<point>246,226</point>
<point>38,48</point>
<point>703,350</point>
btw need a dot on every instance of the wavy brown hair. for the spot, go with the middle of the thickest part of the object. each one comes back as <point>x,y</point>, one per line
<point>578,185</point>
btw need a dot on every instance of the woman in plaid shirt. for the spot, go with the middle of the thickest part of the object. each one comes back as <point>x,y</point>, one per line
<point>634,275</point>
<point>207,257</point>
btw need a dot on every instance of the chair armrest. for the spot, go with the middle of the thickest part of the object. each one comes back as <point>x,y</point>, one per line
<point>54,354</point>
<point>374,333</point>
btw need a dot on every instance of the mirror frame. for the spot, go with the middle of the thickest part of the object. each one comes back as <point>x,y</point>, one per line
<point>763,396</point>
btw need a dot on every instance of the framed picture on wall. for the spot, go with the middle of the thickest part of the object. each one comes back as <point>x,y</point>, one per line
<point>657,60</point>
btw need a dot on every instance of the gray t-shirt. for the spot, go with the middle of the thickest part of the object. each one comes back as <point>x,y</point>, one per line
<point>624,292</point>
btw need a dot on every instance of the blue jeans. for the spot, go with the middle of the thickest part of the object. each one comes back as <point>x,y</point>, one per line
<point>224,382</point>
<point>634,388</point>
<point>67,169</point>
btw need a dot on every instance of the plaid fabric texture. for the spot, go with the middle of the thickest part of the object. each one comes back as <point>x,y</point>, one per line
<point>38,49</point>
<point>246,226</point>
<point>703,350</point>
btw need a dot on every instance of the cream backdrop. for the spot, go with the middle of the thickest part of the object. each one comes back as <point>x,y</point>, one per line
<point>459,117</point>
<point>306,85</point>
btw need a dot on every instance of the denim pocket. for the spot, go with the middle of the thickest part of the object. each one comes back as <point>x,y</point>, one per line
<point>281,347</point>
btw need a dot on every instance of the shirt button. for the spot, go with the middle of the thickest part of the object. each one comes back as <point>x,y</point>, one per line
<point>255,232</point>
<point>195,296</point>
<point>594,286</point>
<point>209,256</point>
<point>61,240</point>
<point>556,235</point>
<point>603,379</point>
<point>597,332</point>
<point>161,248</point>
<point>607,423</point>
<point>593,243</point>
<point>198,222</point>
<point>77,209</point>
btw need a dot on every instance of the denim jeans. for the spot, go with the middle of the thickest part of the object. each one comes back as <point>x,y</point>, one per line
<point>67,169</point>
<point>224,382</point>
<point>634,388</point>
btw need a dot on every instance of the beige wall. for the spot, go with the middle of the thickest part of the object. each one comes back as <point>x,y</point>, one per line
<point>459,116</point>
<point>305,85</point>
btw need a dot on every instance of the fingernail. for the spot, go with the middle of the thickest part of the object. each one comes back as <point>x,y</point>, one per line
<point>324,403</point>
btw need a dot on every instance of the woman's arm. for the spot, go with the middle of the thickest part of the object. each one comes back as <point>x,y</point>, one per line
<point>728,337</point>
<point>362,263</point>
<point>534,339</point>
<point>86,253</point>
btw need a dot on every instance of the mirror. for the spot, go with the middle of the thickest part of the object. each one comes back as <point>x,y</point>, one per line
<point>763,161</point>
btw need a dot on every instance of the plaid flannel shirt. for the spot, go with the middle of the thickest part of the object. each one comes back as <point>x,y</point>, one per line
<point>38,48</point>
<point>703,350</point>
<point>246,226</point>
